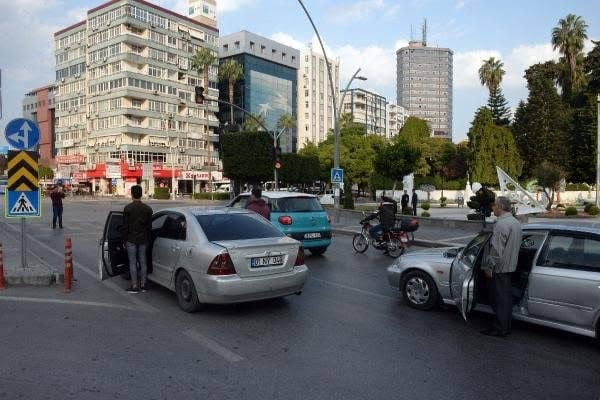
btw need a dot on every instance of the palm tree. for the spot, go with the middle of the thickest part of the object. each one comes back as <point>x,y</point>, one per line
<point>231,71</point>
<point>253,124</point>
<point>201,61</point>
<point>569,37</point>
<point>287,122</point>
<point>491,73</point>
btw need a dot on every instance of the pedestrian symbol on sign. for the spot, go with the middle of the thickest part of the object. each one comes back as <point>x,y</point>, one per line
<point>337,175</point>
<point>23,206</point>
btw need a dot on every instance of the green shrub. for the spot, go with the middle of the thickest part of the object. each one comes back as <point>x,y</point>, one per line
<point>443,199</point>
<point>586,208</point>
<point>348,200</point>
<point>425,214</point>
<point>570,211</point>
<point>425,206</point>
<point>577,186</point>
<point>207,196</point>
<point>161,193</point>
<point>593,210</point>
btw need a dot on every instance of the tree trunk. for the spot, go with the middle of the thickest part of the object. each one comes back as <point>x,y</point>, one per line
<point>550,197</point>
<point>231,99</point>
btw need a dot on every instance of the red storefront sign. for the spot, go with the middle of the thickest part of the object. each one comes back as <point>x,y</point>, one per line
<point>79,177</point>
<point>98,172</point>
<point>71,159</point>
<point>131,171</point>
<point>165,173</point>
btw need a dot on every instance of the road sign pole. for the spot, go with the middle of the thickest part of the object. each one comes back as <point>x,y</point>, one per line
<point>23,245</point>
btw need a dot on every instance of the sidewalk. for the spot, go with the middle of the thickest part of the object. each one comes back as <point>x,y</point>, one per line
<point>37,272</point>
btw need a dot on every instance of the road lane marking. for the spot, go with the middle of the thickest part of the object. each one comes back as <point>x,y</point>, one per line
<point>342,286</point>
<point>62,301</point>
<point>94,274</point>
<point>213,346</point>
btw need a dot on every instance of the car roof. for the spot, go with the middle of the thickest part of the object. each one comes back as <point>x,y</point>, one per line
<point>281,194</point>
<point>592,228</point>
<point>206,210</point>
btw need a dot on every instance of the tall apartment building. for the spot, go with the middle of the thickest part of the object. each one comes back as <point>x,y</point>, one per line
<point>367,108</point>
<point>203,11</point>
<point>396,116</point>
<point>38,106</point>
<point>425,85</point>
<point>315,100</point>
<point>270,82</point>
<point>125,96</point>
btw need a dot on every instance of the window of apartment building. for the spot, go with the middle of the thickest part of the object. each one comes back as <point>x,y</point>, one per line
<point>262,48</point>
<point>283,55</point>
<point>293,58</point>
<point>136,103</point>
<point>237,45</point>
<point>252,46</point>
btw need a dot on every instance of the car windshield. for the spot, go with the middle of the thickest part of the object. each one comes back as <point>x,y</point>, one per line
<point>219,227</point>
<point>296,204</point>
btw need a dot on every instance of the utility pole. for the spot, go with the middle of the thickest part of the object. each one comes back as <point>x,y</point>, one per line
<point>598,151</point>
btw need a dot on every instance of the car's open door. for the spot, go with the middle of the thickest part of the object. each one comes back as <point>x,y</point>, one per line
<point>463,273</point>
<point>113,259</point>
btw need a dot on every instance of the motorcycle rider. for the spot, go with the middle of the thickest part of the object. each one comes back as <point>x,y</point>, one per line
<point>387,217</point>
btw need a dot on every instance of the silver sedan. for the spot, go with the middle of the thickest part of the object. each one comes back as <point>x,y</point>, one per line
<point>211,255</point>
<point>556,284</point>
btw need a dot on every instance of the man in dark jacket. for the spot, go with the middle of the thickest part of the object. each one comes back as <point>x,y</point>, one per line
<point>404,201</point>
<point>57,206</point>
<point>387,216</point>
<point>415,201</point>
<point>257,203</point>
<point>137,222</point>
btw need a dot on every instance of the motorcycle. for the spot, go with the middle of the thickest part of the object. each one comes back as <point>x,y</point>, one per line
<point>393,242</point>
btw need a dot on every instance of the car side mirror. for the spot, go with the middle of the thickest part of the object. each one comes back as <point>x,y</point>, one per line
<point>452,253</point>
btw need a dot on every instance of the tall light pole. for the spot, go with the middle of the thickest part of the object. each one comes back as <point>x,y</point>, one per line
<point>336,114</point>
<point>598,152</point>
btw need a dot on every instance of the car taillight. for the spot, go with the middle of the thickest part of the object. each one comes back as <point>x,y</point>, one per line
<point>299,257</point>
<point>285,220</point>
<point>221,265</point>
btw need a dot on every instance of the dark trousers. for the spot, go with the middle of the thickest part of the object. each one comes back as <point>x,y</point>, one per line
<point>500,295</point>
<point>414,207</point>
<point>57,214</point>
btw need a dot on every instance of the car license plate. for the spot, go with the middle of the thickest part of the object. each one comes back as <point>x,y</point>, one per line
<point>258,262</point>
<point>315,235</point>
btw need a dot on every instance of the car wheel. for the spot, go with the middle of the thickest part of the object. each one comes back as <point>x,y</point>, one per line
<point>360,243</point>
<point>186,292</point>
<point>317,251</point>
<point>419,290</point>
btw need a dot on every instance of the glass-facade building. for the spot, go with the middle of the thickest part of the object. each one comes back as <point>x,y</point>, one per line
<point>269,85</point>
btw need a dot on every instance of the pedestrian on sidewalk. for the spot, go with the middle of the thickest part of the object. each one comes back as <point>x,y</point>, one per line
<point>415,201</point>
<point>500,261</point>
<point>404,202</point>
<point>258,204</point>
<point>57,206</point>
<point>137,222</point>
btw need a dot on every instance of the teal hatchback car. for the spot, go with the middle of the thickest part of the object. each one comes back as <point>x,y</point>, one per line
<point>299,215</point>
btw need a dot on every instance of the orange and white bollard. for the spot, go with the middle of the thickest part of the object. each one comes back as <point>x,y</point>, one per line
<point>68,265</point>
<point>2,280</point>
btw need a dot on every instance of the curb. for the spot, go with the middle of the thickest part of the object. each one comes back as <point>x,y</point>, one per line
<point>416,242</point>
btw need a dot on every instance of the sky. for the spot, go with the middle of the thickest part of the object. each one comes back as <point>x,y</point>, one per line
<point>361,33</point>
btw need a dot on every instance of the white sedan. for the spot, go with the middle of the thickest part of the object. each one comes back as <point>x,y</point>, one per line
<point>211,255</point>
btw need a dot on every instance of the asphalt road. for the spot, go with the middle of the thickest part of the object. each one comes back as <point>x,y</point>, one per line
<point>348,336</point>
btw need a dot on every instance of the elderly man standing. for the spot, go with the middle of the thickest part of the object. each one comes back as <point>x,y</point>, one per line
<point>500,261</point>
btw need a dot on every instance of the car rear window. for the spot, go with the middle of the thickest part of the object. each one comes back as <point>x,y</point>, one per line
<point>296,204</point>
<point>219,227</point>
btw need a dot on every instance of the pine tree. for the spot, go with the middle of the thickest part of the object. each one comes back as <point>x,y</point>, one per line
<point>499,107</point>
<point>542,123</point>
<point>490,146</point>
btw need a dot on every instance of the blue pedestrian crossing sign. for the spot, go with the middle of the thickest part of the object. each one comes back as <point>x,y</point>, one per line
<point>337,175</point>
<point>23,204</point>
<point>22,134</point>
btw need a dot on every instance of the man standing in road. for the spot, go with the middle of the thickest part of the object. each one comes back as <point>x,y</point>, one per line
<point>137,222</point>
<point>404,202</point>
<point>500,261</point>
<point>415,201</point>
<point>258,204</point>
<point>57,206</point>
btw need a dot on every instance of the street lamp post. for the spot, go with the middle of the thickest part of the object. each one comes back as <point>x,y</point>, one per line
<point>598,153</point>
<point>336,112</point>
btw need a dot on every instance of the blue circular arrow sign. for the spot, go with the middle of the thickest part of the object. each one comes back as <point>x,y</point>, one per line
<point>22,133</point>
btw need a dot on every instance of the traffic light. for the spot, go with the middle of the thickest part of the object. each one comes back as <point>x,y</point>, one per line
<point>199,95</point>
